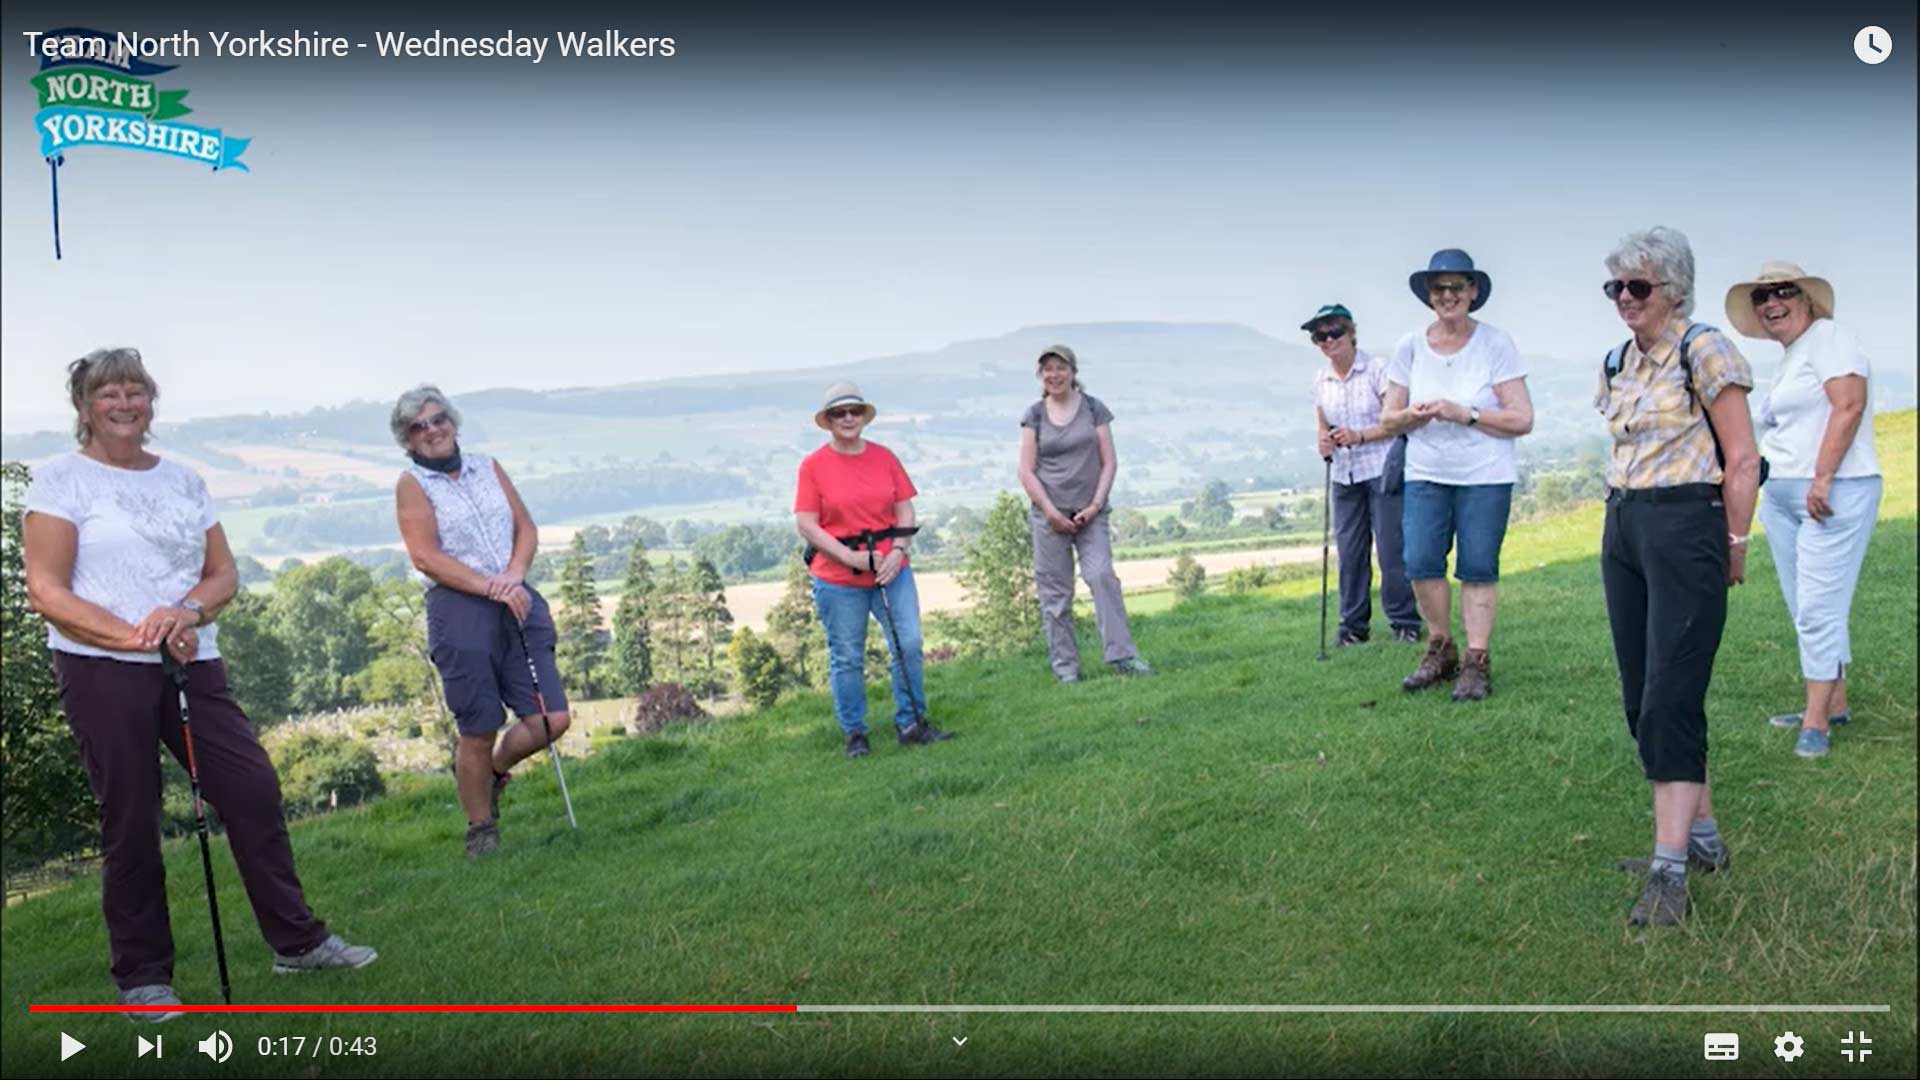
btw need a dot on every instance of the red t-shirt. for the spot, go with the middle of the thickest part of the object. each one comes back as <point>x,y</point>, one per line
<point>851,493</point>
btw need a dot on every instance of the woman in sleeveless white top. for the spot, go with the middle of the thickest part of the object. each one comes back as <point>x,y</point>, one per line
<point>467,531</point>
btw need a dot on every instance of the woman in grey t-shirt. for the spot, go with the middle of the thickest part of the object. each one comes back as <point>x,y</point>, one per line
<point>1067,466</point>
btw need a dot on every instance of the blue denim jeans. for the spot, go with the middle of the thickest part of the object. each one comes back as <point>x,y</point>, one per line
<point>844,611</point>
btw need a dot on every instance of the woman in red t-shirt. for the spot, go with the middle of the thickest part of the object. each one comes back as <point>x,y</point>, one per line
<point>852,505</point>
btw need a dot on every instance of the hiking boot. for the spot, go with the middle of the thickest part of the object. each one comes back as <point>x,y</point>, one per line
<point>919,733</point>
<point>500,782</point>
<point>1476,677</point>
<point>1793,719</point>
<point>1132,665</point>
<point>1812,744</point>
<point>1409,635</point>
<point>1345,638</point>
<point>857,744</point>
<point>1067,680</point>
<point>156,994</point>
<point>331,953</point>
<point>1441,662</point>
<point>1699,861</point>
<point>482,839</point>
<point>1663,902</point>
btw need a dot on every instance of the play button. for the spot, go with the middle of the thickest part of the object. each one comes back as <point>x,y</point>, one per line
<point>70,1046</point>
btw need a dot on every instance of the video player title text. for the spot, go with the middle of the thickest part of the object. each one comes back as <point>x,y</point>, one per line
<point>262,45</point>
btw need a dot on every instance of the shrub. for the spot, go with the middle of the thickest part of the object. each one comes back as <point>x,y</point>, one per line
<point>1246,579</point>
<point>314,767</point>
<point>663,704</point>
<point>1189,578</point>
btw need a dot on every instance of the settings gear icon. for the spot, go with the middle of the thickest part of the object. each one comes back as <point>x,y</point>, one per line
<point>1789,1046</point>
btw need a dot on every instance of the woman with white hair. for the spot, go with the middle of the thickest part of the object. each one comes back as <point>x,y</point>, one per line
<point>1825,497</point>
<point>1681,482</point>
<point>467,530</point>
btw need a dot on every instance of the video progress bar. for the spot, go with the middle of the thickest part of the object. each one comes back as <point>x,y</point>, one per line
<point>1525,1010</point>
<point>1346,1009</point>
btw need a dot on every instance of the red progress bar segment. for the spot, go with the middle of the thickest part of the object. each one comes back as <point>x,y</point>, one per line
<point>415,1008</point>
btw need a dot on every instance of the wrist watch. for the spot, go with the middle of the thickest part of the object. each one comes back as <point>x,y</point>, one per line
<point>1473,417</point>
<point>199,612</point>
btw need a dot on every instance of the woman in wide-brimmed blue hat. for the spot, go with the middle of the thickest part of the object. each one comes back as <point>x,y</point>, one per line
<point>1458,391</point>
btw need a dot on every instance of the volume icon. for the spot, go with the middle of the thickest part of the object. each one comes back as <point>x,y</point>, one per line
<point>217,1046</point>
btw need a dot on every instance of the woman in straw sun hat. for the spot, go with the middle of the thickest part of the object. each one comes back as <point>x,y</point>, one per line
<point>1824,496</point>
<point>853,505</point>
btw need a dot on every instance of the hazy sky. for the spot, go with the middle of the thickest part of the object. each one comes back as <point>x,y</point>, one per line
<point>782,194</point>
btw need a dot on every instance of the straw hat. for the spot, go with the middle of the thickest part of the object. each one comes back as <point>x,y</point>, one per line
<point>842,393</point>
<point>1740,299</point>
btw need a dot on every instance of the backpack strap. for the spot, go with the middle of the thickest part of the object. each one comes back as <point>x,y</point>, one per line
<point>1694,330</point>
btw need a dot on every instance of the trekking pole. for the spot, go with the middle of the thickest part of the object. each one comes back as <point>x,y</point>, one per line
<point>178,674</point>
<point>540,699</point>
<point>1326,540</point>
<point>893,632</point>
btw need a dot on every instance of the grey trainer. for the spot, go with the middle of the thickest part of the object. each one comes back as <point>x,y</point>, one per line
<point>1664,901</point>
<point>156,994</point>
<point>331,953</point>
<point>1132,665</point>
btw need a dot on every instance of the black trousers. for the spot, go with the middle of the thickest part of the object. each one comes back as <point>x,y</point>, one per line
<point>1663,561</point>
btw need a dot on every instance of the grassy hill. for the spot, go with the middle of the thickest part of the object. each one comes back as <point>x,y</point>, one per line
<point>1250,827</point>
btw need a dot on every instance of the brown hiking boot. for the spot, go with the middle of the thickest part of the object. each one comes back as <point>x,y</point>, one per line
<point>1441,662</point>
<point>1476,677</point>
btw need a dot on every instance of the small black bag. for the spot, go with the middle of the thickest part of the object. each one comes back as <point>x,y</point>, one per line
<point>1393,478</point>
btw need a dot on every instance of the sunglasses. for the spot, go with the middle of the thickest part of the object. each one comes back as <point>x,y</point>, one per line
<point>1765,293</point>
<point>846,412</point>
<point>1331,333</point>
<point>428,423</point>
<point>1452,287</point>
<point>1638,288</point>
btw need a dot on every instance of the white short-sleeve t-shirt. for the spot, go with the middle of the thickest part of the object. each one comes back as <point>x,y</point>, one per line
<point>1794,415</point>
<point>142,539</point>
<point>1442,452</point>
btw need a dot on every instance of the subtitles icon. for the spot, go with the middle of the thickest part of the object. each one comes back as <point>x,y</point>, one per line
<point>217,1046</point>
<point>1789,1046</point>
<point>1723,1046</point>
<point>1848,1047</point>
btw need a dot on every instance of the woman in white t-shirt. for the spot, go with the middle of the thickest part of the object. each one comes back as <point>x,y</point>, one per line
<point>1458,391</point>
<point>1823,495</point>
<point>125,559</point>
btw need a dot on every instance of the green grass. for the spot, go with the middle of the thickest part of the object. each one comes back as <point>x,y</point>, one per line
<point>1249,827</point>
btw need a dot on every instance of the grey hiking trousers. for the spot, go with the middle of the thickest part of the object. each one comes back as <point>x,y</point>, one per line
<point>1053,559</point>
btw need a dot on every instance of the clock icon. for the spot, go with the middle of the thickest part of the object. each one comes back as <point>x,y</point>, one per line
<point>1872,44</point>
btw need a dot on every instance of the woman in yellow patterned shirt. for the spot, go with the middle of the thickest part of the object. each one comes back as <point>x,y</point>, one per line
<point>1682,482</point>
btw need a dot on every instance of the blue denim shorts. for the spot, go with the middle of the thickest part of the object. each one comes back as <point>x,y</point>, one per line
<point>1436,516</point>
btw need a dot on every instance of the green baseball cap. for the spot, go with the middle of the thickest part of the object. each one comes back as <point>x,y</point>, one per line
<point>1328,311</point>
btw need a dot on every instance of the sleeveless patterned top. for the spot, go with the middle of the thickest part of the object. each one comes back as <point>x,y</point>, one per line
<point>472,513</point>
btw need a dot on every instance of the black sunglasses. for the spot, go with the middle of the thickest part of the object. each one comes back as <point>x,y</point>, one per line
<point>846,412</point>
<point>1448,286</point>
<point>1331,333</point>
<point>1639,288</point>
<point>428,423</point>
<point>1764,293</point>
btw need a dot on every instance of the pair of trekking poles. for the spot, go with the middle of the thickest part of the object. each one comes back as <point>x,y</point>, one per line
<point>177,673</point>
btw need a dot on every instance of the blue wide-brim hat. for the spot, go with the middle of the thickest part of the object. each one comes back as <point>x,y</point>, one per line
<point>1451,261</point>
